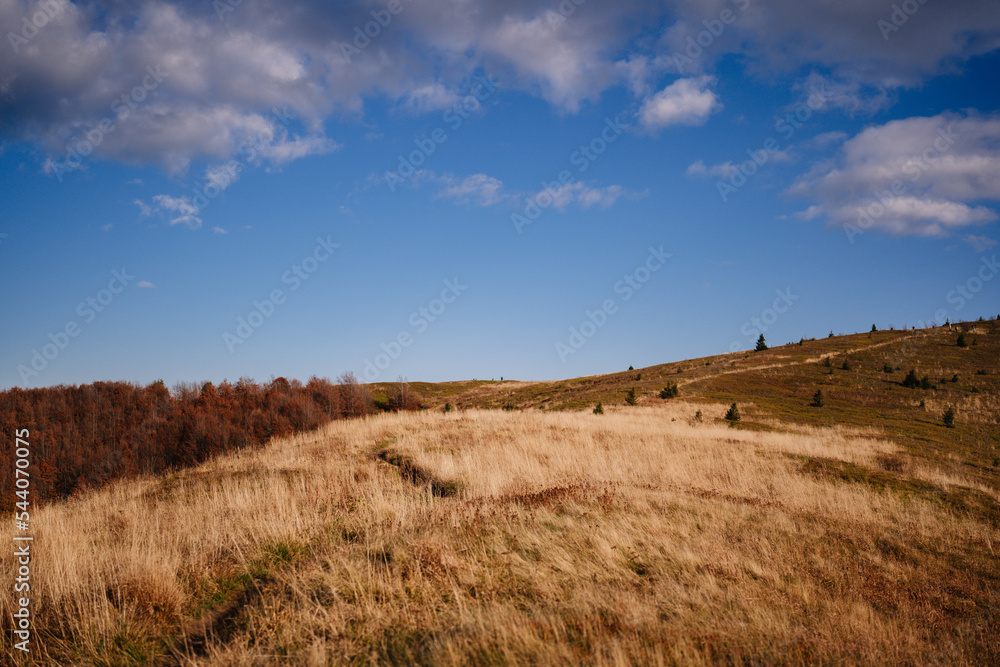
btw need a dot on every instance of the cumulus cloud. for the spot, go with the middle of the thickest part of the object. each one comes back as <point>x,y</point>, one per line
<point>843,37</point>
<point>683,102</point>
<point>179,85</point>
<point>919,175</point>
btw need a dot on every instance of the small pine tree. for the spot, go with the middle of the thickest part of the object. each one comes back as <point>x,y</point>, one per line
<point>817,401</point>
<point>961,340</point>
<point>800,341</point>
<point>630,368</point>
<point>638,376</point>
<point>874,328</point>
<point>925,383</point>
<point>954,378</point>
<point>761,345</point>
<point>670,391</point>
<point>630,397</point>
<point>697,416</point>
<point>886,368</point>
<point>447,407</point>
<point>733,414</point>
<point>831,334</point>
<point>911,381</point>
<point>846,366</point>
<point>598,409</point>
<point>949,417</point>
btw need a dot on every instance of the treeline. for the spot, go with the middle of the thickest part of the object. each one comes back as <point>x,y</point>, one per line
<point>83,436</point>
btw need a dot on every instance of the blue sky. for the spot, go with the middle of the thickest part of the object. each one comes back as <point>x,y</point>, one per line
<point>535,190</point>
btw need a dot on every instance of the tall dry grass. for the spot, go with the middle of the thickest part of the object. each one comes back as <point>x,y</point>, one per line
<point>636,537</point>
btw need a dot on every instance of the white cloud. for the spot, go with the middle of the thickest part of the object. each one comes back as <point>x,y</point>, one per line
<point>980,243</point>
<point>813,211</point>
<point>920,175</point>
<point>824,140</point>
<point>145,284</point>
<point>145,210</point>
<point>187,212</point>
<point>222,78</point>
<point>431,97</point>
<point>698,168</point>
<point>584,195</point>
<point>822,92</point>
<point>219,230</point>
<point>284,151</point>
<point>780,36</point>
<point>683,102</point>
<point>477,189</point>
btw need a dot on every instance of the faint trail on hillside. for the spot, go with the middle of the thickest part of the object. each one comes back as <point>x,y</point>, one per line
<point>810,360</point>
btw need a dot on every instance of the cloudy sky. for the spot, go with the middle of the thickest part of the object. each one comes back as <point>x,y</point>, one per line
<point>450,189</point>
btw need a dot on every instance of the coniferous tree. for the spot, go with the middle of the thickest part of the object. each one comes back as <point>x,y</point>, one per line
<point>630,397</point>
<point>761,345</point>
<point>817,401</point>
<point>670,391</point>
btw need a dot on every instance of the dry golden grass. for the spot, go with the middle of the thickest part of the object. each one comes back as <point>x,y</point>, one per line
<point>636,537</point>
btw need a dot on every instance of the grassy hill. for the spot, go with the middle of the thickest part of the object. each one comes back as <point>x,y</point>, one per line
<point>863,531</point>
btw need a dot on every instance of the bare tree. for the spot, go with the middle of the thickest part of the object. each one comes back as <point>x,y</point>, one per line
<point>355,398</point>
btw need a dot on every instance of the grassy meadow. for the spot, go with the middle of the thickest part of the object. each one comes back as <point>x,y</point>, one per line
<point>799,535</point>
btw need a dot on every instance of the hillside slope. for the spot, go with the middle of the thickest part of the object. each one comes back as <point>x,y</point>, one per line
<point>863,531</point>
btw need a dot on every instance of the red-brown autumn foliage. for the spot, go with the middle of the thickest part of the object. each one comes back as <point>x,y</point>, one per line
<point>84,436</point>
